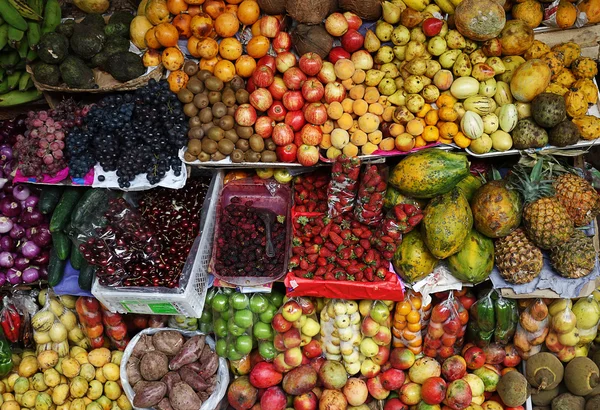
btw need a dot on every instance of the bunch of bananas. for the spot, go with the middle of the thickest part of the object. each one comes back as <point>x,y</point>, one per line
<point>22,23</point>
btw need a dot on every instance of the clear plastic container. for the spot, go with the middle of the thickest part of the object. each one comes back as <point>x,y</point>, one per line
<point>264,195</point>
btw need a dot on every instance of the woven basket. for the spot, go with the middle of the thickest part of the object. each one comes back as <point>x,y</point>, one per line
<point>106,82</point>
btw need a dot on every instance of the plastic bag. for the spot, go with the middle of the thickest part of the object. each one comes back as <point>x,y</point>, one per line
<point>49,332</point>
<point>532,329</point>
<point>341,333</point>
<point>190,324</point>
<point>446,329</point>
<point>564,333</point>
<point>507,317</point>
<point>587,311</point>
<point>310,192</point>
<point>376,336</point>
<point>233,322</point>
<point>411,319</point>
<point>399,220</point>
<point>482,321</point>
<point>371,191</point>
<point>13,321</point>
<point>215,398</point>
<point>115,329</point>
<point>265,306</point>
<point>90,317</point>
<point>205,322</point>
<point>341,192</point>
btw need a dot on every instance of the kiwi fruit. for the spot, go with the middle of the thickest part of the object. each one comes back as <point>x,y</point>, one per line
<point>231,136</point>
<point>257,143</point>
<point>214,97</point>
<point>567,401</point>
<point>544,397</point>
<point>190,68</point>
<point>512,389</point>
<point>196,133</point>
<point>207,126</point>
<point>544,371</point>
<point>228,97</point>
<point>225,146</point>
<point>237,83</point>
<point>541,408</point>
<point>190,110</point>
<point>194,122</point>
<point>204,156</point>
<point>581,376</point>
<point>187,156</point>
<point>203,75</point>
<point>185,96</point>
<point>195,85</point>
<point>227,122</point>
<point>213,83</point>
<point>268,156</point>
<point>251,156</point>
<point>217,156</point>
<point>201,100</point>
<point>242,145</point>
<point>242,96</point>
<point>215,134</point>
<point>209,146</point>
<point>194,147</point>
<point>593,403</point>
<point>270,145</point>
<point>237,156</point>
<point>244,132</point>
<point>205,115</point>
<point>219,109</point>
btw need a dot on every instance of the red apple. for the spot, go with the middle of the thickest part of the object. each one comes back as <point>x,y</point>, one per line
<point>352,41</point>
<point>402,358</point>
<point>327,73</point>
<point>278,342</point>
<point>410,393</point>
<point>264,375</point>
<point>295,119</point>
<point>354,22</point>
<point>433,390</point>
<point>269,26</point>
<point>277,88</point>
<point>308,155</point>
<point>264,127</point>
<point>267,60</point>
<point>308,307</point>
<point>334,92</point>
<point>313,90</point>
<point>245,115</point>
<point>263,76</point>
<point>285,61</point>
<point>512,358</point>
<point>336,24</point>
<point>280,365</point>
<point>293,357</point>
<point>382,356</point>
<point>311,134</point>
<point>277,111</point>
<point>392,379</point>
<point>287,153</point>
<point>282,42</point>
<point>280,324</point>
<point>250,86</point>
<point>446,351</point>
<point>458,395</point>
<point>454,368</point>
<point>376,389</point>
<point>312,349</point>
<point>291,310</point>
<point>294,78</point>
<point>292,338</point>
<point>475,358</point>
<point>273,399</point>
<point>383,336</point>
<point>292,100</point>
<point>435,330</point>
<point>440,313</point>
<point>494,353</point>
<point>306,401</point>
<point>316,113</point>
<point>338,53</point>
<point>261,99</point>
<point>311,63</point>
<point>282,135</point>
<point>395,404</point>
<point>432,26</point>
<point>316,364</point>
<point>452,326</point>
<point>298,138</point>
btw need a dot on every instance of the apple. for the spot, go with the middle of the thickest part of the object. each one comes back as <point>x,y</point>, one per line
<point>369,327</point>
<point>292,338</point>
<point>392,379</point>
<point>458,394</point>
<point>306,401</point>
<point>261,99</point>
<point>295,119</point>
<point>475,357</point>
<point>316,113</point>
<point>402,358</point>
<point>282,42</point>
<point>310,63</point>
<point>368,347</point>
<point>277,88</point>
<point>312,349</point>
<point>313,90</point>
<point>334,92</point>
<point>382,356</point>
<point>410,394</point>
<point>454,368</point>
<point>356,391</point>
<point>512,358</point>
<point>308,307</point>
<point>280,365</point>
<point>338,53</point>
<point>440,313</point>
<point>285,61</point>
<point>395,404</point>
<point>280,324</point>
<point>327,73</point>
<point>293,356</point>
<point>352,41</point>
<point>452,326</point>
<point>433,390</point>
<point>267,60</point>
<point>283,135</point>
<point>354,22</point>
<point>278,342</point>
<point>293,100</point>
<point>245,115</point>
<point>380,313</point>
<point>435,330</point>
<point>308,155</point>
<point>311,327</point>
<point>383,337</point>
<point>277,111</point>
<point>264,127</point>
<point>316,364</point>
<point>368,368</point>
<point>494,353</point>
<point>294,78</point>
<point>336,24</point>
<point>376,389</point>
<point>269,26</point>
<point>432,26</point>
<point>263,76</point>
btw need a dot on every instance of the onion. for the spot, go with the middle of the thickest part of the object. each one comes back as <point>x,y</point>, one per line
<point>2,278</point>
<point>13,276</point>
<point>21,192</point>
<point>3,181</point>
<point>10,207</point>
<point>32,217</point>
<point>6,153</point>
<point>30,250</point>
<point>17,231</point>
<point>42,259</point>
<point>6,260</point>
<point>5,224</point>
<point>42,236</point>
<point>31,275</point>
<point>43,273</point>
<point>31,201</point>
<point>21,263</point>
<point>7,243</point>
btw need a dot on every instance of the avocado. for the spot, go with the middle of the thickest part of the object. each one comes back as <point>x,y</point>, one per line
<point>53,48</point>
<point>46,73</point>
<point>87,41</point>
<point>76,74</point>
<point>66,28</point>
<point>119,24</point>
<point>125,66</point>
<point>113,45</point>
<point>93,20</point>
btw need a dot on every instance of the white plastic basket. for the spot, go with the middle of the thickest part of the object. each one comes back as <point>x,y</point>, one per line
<point>187,300</point>
<point>214,401</point>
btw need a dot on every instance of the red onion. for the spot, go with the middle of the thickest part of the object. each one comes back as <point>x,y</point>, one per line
<point>17,232</point>
<point>21,192</point>
<point>10,207</point>
<point>6,260</point>
<point>42,259</point>
<point>30,250</point>
<point>6,153</point>
<point>2,278</point>
<point>5,224</point>
<point>3,181</point>
<point>42,236</point>
<point>21,262</point>
<point>31,275</point>
<point>7,243</point>
<point>43,273</point>
<point>31,201</point>
<point>32,217</point>
<point>13,276</point>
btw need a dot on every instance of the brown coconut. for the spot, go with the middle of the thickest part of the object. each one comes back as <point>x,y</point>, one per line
<point>365,9</point>
<point>309,11</point>
<point>312,39</point>
<point>272,7</point>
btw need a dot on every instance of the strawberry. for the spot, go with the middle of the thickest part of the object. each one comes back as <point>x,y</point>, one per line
<point>312,258</point>
<point>335,238</point>
<point>312,249</point>
<point>294,261</point>
<point>365,244</point>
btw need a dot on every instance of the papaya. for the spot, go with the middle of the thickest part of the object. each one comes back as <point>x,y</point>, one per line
<point>474,262</point>
<point>429,173</point>
<point>447,221</point>
<point>412,259</point>
<point>496,209</point>
<point>468,185</point>
<point>394,197</point>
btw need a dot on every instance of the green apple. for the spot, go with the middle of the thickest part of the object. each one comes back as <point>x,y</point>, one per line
<point>220,303</point>
<point>220,327</point>
<point>267,315</point>
<point>234,329</point>
<point>282,175</point>
<point>380,312</point>
<point>267,350</point>
<point>221,348</point>
<point>243,318</point>
<point>228,314</point>
<point>206,316</point>
<point>233,354</point>
<point>298,324</point>
<point>239,301</point>
<point>276,298</point>
<point>243,344</point>
<point>258,303</point>
<point>263,331</point>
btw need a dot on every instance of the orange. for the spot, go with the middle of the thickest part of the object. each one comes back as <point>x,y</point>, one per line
<point>400,324</point>
<point>396,332</point>
<point>431,133</point>
<point>448,114</point>
<point>150,38</point>
<point>230,48</point>
<point>420,142</point>
<point>445,100</point>
<point>447,130</point>
<point>248,12</point>
<point>224,70</point>
<point>409,335</point>
<point>182,23</point>
<point>167,35</point>
<point>227,25</point>
<point>414,327</point>
<point>177,6</point>
<point>245,66</point>
<point>403,308</point>
<point>258,46</point>
<point>208,64</point>
<point>416,343</point>
<point>462,140</point>
<point>426,108</point>
<point>413,317</point>
<point>431,118</point>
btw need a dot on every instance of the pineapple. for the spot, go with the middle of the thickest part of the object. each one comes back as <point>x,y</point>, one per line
<point>579,198</point>
<point>545,219</point>
<point>576,258</point>
<point>517,258</point>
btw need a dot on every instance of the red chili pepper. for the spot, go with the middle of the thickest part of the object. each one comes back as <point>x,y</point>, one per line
<point>11,322</point>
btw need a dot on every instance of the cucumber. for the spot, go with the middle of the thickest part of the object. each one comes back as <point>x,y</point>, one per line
<point>86,276</point>
<point>91,199</point>
<point>49,198</point>
<point>56,268</point>
<point>62,245</point>
<point>77,259</point>
<point>62,212</point>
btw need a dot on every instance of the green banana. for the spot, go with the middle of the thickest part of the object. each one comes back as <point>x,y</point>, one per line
<point>34,32</point>
<point>36,5</point>
<point>19,97</point>
<point>31,56</point>
<point>4,87</point>
<point>13,79</point>
<point>3,35</point>
<point>52,16</point>
<point>9,59</point>
<point>25,81</point>
<point>1,20</point>
<point>24,10</point>
<point>23,48</point>
<point>12,16</point>
<point>14,36</point>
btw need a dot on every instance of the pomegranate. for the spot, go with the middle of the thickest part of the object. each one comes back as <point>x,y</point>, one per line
<point>273,399</point>
<point>294,78</point>
<point>313,90</point>
<point>277,111</point>
<point>245,115</point>
<point>263,76</point>
<point>282,42</point>
<point>315,113</point>
<point>241,394</point>
<point>292,100</point>
<point>284,61</point>
<point>311,63</point>
<point>264,126</point>
<point>311,134</point>
<point>263,375</point>
<point>392,379</point>
<point>282,135</point>
<point>433,390</point>
<point>261,99</point>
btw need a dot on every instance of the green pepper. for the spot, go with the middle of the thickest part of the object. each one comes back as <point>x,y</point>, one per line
<point>6,363</point>
<point>507,316</point>
<point>485,313</point>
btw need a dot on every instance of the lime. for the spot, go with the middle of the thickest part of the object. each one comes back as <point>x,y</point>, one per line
<point>239,301</point>
<point>258,303</point>
<point>243,344</point>
<point>220,303</point>
<point>234,329</point>
<point>263,331</point>
<point>243,318</point>
<point>220,327</point>
<point>267,350</point>
<point>233,354</point>
<point>267,315</point>
<point>221,348</point>
<point>276,299</point>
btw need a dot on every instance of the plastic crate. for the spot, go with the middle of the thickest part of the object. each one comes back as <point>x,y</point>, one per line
<point>188,298</point>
